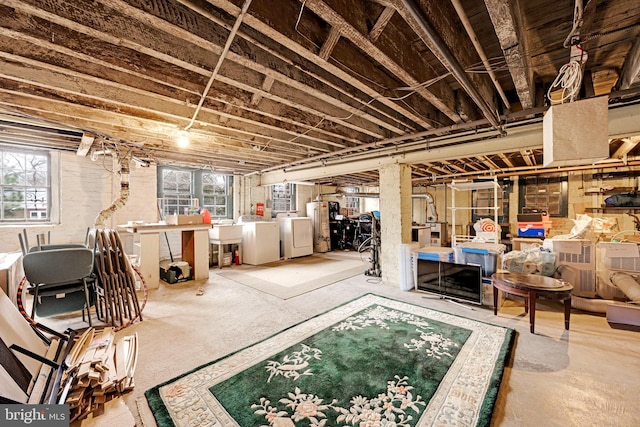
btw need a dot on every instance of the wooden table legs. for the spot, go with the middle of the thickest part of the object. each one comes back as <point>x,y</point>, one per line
<point>530,304</point>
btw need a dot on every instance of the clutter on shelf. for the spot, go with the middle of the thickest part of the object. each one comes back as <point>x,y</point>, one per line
<point>535,224</point>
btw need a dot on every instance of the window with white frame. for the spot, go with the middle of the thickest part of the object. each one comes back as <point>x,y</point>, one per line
<point>216,194</point>
<point>26,185</point>
<point>181,189</point>
<point>176,191</point>
<point>283,197</point>
<point>351,204</point>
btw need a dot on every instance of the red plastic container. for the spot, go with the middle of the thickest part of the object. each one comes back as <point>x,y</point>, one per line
<point>206,216</point>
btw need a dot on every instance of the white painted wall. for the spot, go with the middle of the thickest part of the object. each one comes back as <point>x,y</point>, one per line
<point>86,188</point>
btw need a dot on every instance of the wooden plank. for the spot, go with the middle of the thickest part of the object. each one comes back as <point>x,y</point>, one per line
<point>505,22</point>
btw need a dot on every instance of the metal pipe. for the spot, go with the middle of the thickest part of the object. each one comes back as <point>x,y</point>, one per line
<point>450,62</point>
<point>380,144</point>
<point>226,48</point>
<point>123,166</point>
<point>531,170</point>
<point>480,50</point>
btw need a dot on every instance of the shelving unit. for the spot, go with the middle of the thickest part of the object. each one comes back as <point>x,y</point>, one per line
<point>457,186</point>
<point>612,191</point>
<point>613,209</point>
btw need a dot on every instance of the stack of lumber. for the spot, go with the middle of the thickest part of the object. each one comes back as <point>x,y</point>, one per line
<point>100,367</point>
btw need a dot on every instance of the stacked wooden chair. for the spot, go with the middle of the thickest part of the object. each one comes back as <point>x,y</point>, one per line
<point>117,302</point>
<point>65,278</point>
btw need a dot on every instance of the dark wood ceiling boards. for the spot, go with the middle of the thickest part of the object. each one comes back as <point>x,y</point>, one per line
<point>305,82</point>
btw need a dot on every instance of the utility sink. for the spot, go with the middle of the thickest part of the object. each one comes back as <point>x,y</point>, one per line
<point>226,232</point>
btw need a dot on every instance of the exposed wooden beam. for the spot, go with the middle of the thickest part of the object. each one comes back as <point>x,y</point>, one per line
<point>505,22</point>
<point>526,156</point>
<point>329,43</point>
<point>155,49</point>
<point>628,144</point>
<point>506,160</point>
<point>489,162</point>
<point>381,23</point>
<point>85,144</point>
<point>471,163</point>
<point>477,88</point>
<point>289,38</point>
<point>266,86</point>
<point>453,165</point>
<point>441,102</point>
<point>119,125</point>
<point>145,103</point>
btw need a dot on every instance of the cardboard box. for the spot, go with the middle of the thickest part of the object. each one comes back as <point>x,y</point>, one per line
<point>524,244</point>
<point>183,219</point>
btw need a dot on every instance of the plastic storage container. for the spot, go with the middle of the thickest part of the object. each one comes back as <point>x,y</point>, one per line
<point>483,254</point>
<point>484,258</point>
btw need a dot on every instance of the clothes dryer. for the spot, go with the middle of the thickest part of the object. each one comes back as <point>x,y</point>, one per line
<point>296,235</point>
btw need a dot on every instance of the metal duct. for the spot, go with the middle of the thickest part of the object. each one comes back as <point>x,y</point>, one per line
<point>123,165</point>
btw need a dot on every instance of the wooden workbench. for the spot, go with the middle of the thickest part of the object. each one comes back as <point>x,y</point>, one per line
<point>195,249</point>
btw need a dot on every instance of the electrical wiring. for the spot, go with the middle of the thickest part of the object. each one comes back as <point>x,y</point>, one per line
<point>567,82</point>
<point>413,90</point>
<point>383,87</point>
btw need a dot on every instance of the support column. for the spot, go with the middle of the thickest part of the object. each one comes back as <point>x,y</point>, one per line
<point>395,217</point>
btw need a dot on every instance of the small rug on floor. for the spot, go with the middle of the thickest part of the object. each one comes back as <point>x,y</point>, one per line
<point>290,278</point>
<point>373,361</point>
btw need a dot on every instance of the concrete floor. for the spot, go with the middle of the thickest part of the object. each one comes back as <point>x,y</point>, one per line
<point>587,376</point>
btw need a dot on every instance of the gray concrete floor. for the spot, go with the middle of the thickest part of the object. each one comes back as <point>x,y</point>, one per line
<point>587,376</point>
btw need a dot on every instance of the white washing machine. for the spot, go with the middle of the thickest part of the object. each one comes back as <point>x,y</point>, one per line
<point>296,235</point>
<point>260,240</point>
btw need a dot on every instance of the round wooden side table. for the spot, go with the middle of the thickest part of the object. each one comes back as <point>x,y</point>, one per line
<point>532,286</point>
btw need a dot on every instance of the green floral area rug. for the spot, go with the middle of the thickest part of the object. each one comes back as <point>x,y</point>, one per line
<point>370,362</point>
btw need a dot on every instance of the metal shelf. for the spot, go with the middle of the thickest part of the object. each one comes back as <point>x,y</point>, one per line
<point>614,209</point>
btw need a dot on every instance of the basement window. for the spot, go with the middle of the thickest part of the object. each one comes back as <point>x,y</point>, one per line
<point>181,190</point>
<point>351,204</point>
<point>283,196</point>
<point>547,193</point>
<point>175,191</point>
<point>216,194</point>
<point>26,185</point>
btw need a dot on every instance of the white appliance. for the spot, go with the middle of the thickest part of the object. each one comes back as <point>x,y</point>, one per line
<point>260,240</point>
<point>296,235</point>
<point>319,213</point>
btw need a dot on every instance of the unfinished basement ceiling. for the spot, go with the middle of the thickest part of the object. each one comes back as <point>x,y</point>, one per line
<point>262,86</point>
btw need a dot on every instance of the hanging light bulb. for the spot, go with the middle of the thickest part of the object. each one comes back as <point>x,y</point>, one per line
<point>183,139</point>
